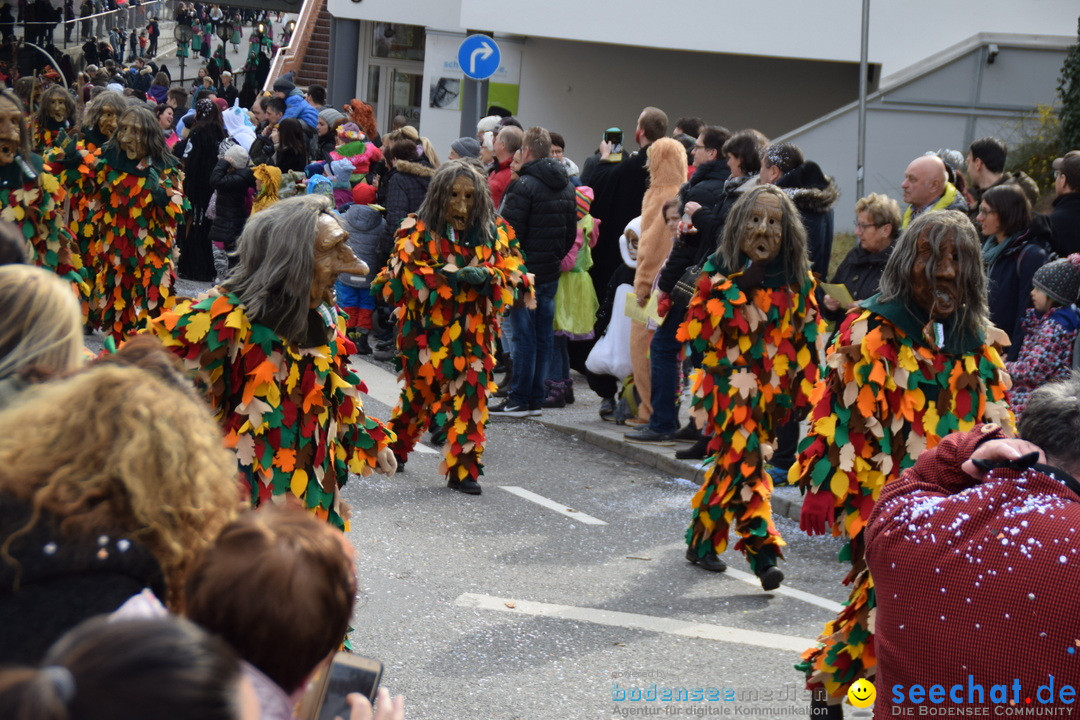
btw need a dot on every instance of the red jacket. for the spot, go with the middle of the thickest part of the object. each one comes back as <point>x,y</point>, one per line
<point>499,180</point>
<point>976,580</point>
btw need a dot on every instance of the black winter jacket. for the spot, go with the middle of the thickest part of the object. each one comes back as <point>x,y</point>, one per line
<point>231,211</point>
<point>861,272</point>
<point>369,239</point>
<point>619,188</point>
<point>540,206</point>
<point>1065,222</point>
<point>1010,286</point>
<point>814,194</point>
<point>406,186</point>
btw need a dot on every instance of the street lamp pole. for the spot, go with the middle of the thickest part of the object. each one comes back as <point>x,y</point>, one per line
<point>863,67</point>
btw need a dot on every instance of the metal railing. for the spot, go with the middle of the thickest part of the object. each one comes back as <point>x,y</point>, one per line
<point>286,58</point>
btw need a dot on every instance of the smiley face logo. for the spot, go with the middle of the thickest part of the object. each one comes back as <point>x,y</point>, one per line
<point>861,694</point>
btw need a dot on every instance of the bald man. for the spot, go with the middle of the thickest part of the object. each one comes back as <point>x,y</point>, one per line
<point>926,187</point>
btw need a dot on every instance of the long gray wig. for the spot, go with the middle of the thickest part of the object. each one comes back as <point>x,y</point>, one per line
<point>277,264</point>
<point>432,211</point>
<point>792,238</point>
<point>972,312</point>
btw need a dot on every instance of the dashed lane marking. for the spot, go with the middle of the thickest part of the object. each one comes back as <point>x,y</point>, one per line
<point>633,621</point>
<point>552,505</point>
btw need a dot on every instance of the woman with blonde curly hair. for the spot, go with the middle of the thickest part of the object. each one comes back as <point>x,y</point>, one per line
<point>42,330</point>
<point>111,481</point>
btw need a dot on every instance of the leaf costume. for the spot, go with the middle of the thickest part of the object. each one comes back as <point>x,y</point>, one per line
<point>50,136</point>
<point>33,202</point>
<point>760,363</point>
<point>292,414</point>
<point>76,173</point>
<point>896,385</point>
<point>447,336</point>
<point>141,205</point>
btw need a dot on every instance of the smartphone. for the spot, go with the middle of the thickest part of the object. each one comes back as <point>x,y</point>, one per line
<point>614,136</point>
<point>348,673</point>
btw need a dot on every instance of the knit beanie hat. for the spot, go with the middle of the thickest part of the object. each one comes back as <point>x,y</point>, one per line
<point>1060,280</point>
<point>363,194</point>
<point>283,85</point>
<point>330,116</point>
<point>237,156</point>
<point>583,196</point>
<point>341,170</point>
<point>466,147</point>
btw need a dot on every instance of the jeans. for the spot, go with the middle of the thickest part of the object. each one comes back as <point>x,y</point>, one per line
<point>559,367</point>
<point>664,351</point>
<point>534,335</point>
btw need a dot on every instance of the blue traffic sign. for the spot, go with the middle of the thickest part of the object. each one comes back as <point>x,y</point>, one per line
<point>479,57</point>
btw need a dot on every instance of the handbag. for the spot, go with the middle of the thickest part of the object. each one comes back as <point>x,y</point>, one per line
<point>686,287</point>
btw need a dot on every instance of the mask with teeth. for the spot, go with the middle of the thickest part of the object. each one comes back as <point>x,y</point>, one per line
<point>761,236</point>
<point>11,129</point>
<point>58,109</point>
<point>933,278</point>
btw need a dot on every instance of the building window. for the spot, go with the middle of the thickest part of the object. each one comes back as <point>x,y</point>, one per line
<point>397,42</point>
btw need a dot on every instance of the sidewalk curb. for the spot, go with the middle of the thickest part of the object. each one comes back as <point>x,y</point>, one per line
<point>672,466</point>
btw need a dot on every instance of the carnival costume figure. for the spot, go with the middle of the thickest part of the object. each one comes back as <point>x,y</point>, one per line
<point>908,366</point>
<point>454,269</point>
<point>54,120</point>
<point>755,318</point>
<point>32,199</point>
<point>268,350</point>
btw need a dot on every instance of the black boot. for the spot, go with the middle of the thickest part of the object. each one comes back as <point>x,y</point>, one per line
<point>770,576</point>
<point>469,487</point>
<point>363,347</point>
<point>694,452</point>
<point>709,561</point>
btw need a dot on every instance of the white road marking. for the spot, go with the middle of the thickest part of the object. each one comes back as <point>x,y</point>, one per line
<point>634,621</point>
<point>552,505</point>
<point>806,597</point>
<point>383,386</point>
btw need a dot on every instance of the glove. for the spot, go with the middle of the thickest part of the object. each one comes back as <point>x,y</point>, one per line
<point>818,511</point>
<point>750,278</point>
<point>663,304</point>
<point>473,275</point>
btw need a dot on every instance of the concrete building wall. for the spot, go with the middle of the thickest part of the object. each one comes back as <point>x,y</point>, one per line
<point>947,108</point>
<point>901,33</point>
<point>581,89</point>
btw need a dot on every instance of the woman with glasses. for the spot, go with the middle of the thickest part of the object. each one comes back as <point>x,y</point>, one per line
<point>1012,254</point>
<point>877,225</point>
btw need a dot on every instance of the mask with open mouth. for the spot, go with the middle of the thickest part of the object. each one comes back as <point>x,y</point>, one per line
<point>58,109</point>
<point>129,137</point>
<point>459,205</point>
<point>107,122</point>
<point>11,129</point>
<point>937,295</point>
<point>764,229</point>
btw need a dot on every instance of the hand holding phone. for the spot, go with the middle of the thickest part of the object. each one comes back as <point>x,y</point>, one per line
<point>348,674</point>
<point>388,709</point>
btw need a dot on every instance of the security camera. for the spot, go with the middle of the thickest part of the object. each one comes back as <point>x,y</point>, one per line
<point>992,53</point>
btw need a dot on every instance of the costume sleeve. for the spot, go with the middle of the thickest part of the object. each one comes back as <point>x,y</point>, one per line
<point>412,276</point>
<point>507,268</point>
<point>936,474</point>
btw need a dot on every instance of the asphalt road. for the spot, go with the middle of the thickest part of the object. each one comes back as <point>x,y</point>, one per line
<point>499,607</point>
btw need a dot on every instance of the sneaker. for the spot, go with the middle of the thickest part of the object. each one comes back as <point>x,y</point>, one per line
<point>607,408</point>
<point>509,408</point>
<point>535,411</point>
<point>648,435</point>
